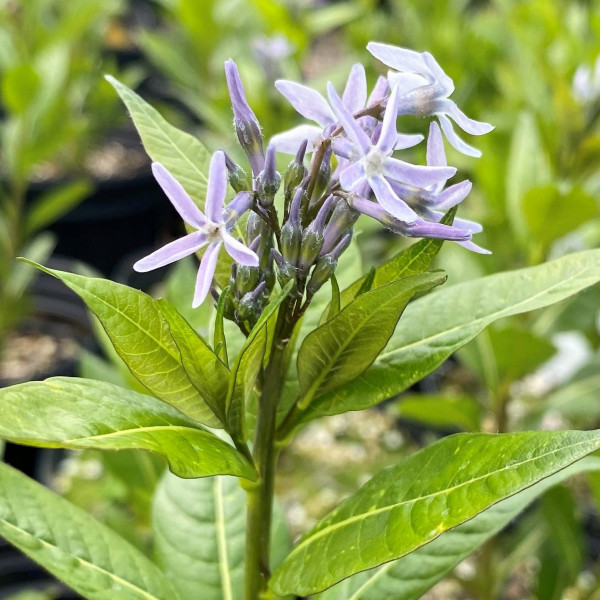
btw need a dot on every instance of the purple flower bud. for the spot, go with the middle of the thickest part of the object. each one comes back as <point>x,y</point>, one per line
<point>342,218</point>
<point>313,238</point>
<point>295,173</point>
<point>251,305</point>
<point>323,270</point>
<point>269,179</point>
<point>323,176</point>
<point>239,180</point>
<point>246,124</point>
<point>285,271</point>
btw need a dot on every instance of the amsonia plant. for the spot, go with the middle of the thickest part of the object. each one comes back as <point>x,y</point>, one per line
<point>286,349</point>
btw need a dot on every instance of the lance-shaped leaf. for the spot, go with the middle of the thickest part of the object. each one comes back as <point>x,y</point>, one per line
<point>346,345</point>
<point>203,367</point>
<point>408,578</point>
<point>417,258</point>
<point>142,338</point>
<point>88,556</point>
<point>433,491</point>
<point>181,153</point>
<point>200,530</point>
<point>82,413</point>
<point>439,324</point>
<point>247,367</point>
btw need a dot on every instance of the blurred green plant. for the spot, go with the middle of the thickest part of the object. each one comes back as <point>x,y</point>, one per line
<point>54,108</point>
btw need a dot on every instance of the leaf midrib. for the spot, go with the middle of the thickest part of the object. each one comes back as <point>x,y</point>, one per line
<point>91,565</point>
<point>312,390</point>
<point>383,509</point>
<point>222,539</point>
<point>384,356</point>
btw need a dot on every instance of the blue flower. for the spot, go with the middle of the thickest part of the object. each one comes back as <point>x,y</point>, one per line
<point>212,228</point>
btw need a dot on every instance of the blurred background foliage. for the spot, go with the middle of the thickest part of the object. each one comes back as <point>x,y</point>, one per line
<point>530,67</point>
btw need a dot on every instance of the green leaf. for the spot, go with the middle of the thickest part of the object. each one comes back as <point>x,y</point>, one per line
<point>411,576</point>
<point>20,86</point>
<point>415,259</point>
<point>199,531</point>
<point>550,214</point>
<point>181,153</point>
<point>334,305</point>
<point>142,338</point>
<point>88,556</point>
<point>56,203</point>
<point>528,166</point>
<point>219,335</point>
<point>437,325</point>
<point>247,367</point>
<point>440,411</point>
<point>203,367</point>
<point>345,346</point>
<point>410,505</point>
<point>84,413</point>
<point>367,283</point>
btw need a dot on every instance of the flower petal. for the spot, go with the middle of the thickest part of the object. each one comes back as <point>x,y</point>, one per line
<point>408,140</point>
<point>406,82</point>
<point>465,123</point>
<point>354,97</point>
<point>387,198</point>
<point>237,207</point>
<point>217,187</point>
<point>208,264</point>
<point>421,228</point>
<point>351,127</point>
<point>453,195</point>
<point>454,140</point>
<point>289,141</point>
<point>440,77</point>
<point>352,175</point>
<point>239,252</point>
<point>418,175</point>
<point>308,102</point>
<point>473,247</point>
<point>171,252</point>
<point>436,155</point>
<point>399,59</point>
<point>389,135</point>
<point>179,198</point>
<point>345,148</point>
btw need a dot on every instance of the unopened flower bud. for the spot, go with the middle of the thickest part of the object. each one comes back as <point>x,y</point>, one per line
<point>251,305</point>
<point>313,238</point>
<point>246,124</point>
<point>342,218</point>
<point>296,171</point>
<point>269,179</point>
<point>323,270</point>
<point>323,176</point>
<point>238,178</point>
<point>291,232</point>
<point>285,271</point>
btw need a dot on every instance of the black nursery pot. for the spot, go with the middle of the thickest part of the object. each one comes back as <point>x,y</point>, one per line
<point>121,217</point>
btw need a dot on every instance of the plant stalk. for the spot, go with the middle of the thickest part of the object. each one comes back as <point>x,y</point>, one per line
<point>261,494</point>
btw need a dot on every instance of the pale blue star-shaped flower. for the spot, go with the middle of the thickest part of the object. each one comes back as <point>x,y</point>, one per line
<point>374,165</point>
<point>212,229</point>
<point>314,107</point>
<point>425,90</point>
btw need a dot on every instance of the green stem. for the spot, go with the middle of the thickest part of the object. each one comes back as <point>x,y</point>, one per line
<point>260,495</point>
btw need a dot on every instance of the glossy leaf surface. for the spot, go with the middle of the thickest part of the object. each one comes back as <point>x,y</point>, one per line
<point>199,529</point>
<point>347,344</point>
<point>79,413</point>
<point>181,153</point>
<point>439,324</point>
<point>410,505</point>
<point>88,556</point>
<point>408,578</point>
<point>142,338</point>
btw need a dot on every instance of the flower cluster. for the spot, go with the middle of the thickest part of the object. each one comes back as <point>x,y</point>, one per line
<point>300,234</point>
